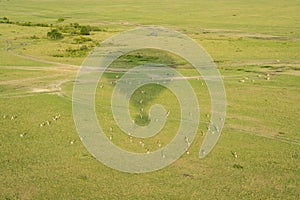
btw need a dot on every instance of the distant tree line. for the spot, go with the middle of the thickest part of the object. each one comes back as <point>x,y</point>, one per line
<point>58,30</point>
<point>5,20</point>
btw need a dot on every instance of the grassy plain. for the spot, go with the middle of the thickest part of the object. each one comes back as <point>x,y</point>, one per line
<point>247,39</point>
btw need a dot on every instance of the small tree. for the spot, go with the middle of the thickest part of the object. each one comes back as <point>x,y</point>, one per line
<point>75,25</point>
<point>60,19</point>
<point>85,30</point>
<point>5,20</point>
<point>54,34</point>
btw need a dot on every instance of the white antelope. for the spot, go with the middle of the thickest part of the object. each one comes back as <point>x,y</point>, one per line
<point>158,143</point>
<point>142,143</point>
<point>163,154</point>
<point>234,154</point>
<point>187,141</point>
<point>23,134</point>
<point>168,113</point>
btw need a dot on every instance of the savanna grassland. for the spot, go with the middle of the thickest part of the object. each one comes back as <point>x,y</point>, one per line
<point>256,45</point>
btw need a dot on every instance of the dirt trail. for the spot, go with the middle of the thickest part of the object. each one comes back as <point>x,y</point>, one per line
<point>8,49</point>
<point>26,80</point>
<point>72,69</point>
<point>51,87</point>
<point>238,33</point>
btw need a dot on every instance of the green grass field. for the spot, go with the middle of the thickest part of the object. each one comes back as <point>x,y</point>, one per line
<point>250,41</point>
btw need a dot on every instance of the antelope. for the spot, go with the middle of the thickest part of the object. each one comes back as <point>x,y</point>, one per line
<point>158,143</point>
<point>168,113</point>
<point>187,140</point>
<point>163,154</point>
<point>234,154</point>
<point>23,134</point>
<point>142,143</point>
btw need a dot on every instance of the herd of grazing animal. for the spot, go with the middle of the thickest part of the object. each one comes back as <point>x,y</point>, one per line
<point>141,142</point>
<point>45,123</point>
<point>266,77</point>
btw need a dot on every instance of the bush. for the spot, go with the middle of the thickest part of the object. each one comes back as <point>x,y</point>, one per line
<point>75,25</point>
<point>5,20</point>
<point>60,19</point>
<point>54,34</point>
<point>24,23</point>
<point>42,25</point>
<point>85,30</point>
<point>67,29</point>
<point>81,40</point>
<point>77,52</point>
<point>95,28</point>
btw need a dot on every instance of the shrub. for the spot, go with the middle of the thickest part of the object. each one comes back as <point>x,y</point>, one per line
<point>77,52</point>
<point>85,30</point>
<point>42,25</point>
<point>75,25</point>
<point>81,40</point>
<point>67,29</point>
<point>25,24</point>
<point>54,34</point>
<point>5,20</point>
<point>60,19</point>
<point>95,28</point>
